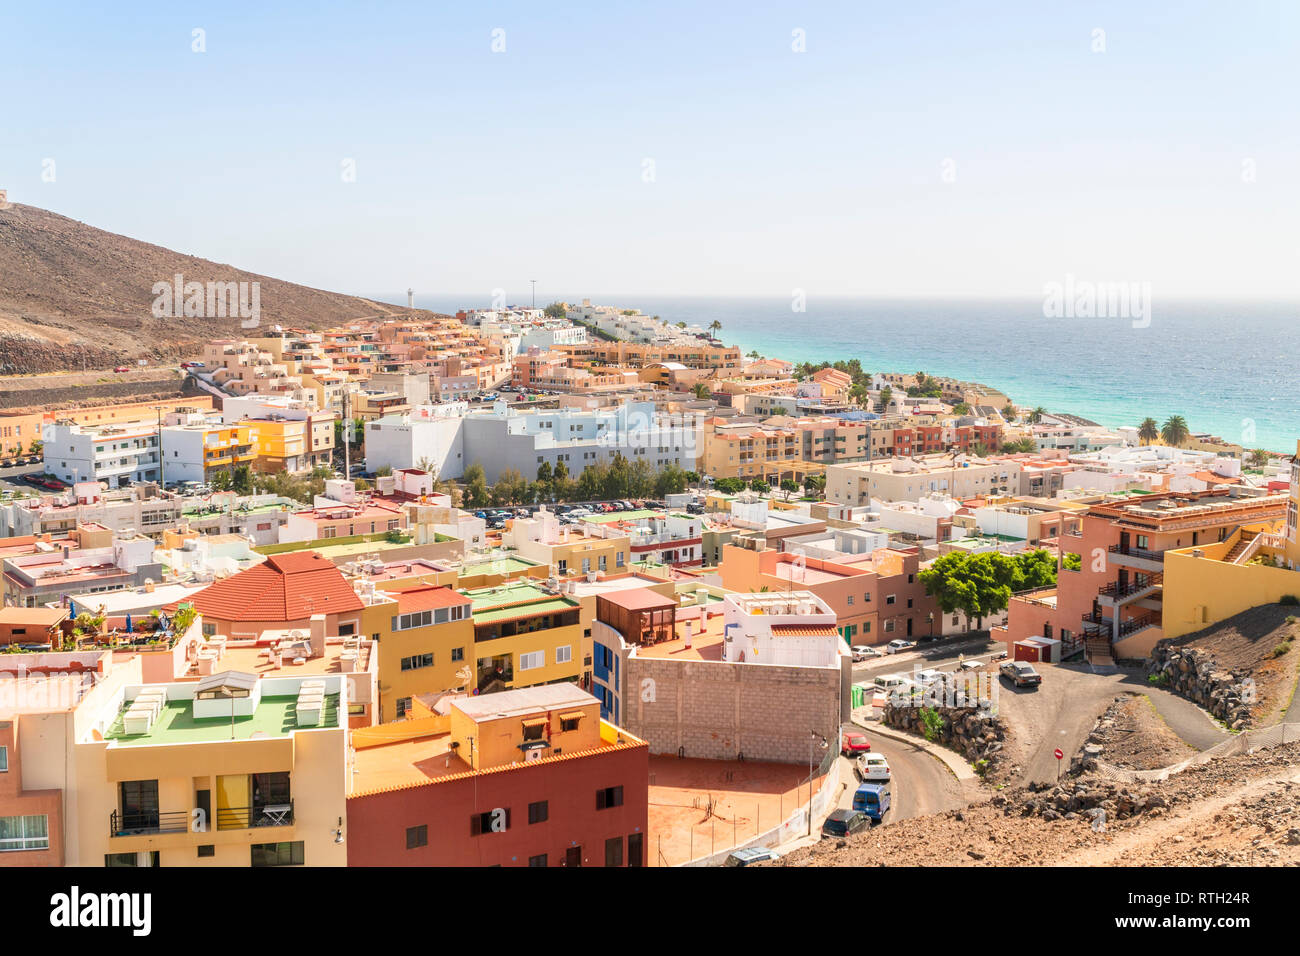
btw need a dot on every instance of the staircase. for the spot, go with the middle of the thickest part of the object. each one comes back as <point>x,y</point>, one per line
<point>1097,652</point>
<point>1244,544</point>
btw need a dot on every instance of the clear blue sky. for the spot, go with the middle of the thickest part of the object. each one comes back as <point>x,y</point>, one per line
<point>774,170</point>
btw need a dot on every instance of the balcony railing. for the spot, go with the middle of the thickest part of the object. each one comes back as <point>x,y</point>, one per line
<point>1136,552</point>
<point>247,818</point>
<point>1114,590</point>
<point>134,823</point>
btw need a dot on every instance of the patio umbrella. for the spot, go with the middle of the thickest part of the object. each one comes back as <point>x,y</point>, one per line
<point>128,624</point>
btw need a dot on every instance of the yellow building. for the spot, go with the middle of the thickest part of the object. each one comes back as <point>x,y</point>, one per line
<point>293,445</point>
<point>524,635</point>
<point>427,640</point>
<point>542,540</point>
<point>1257,564</point>
<point>234,769</point>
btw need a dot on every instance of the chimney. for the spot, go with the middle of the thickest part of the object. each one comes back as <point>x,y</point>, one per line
<point>318,635</point>
<point>690,626</point>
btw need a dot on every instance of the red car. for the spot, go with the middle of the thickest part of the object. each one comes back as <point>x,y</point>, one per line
<point>853,743</point>
<point>122,368</point>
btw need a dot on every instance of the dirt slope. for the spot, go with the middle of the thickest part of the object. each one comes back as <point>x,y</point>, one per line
<point>69,292</point>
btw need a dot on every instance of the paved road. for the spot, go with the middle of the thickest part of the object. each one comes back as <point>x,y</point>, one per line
<point>926,656</point>
<point>921,783</point>
<point>1061,713</point>
<point>11,477</point>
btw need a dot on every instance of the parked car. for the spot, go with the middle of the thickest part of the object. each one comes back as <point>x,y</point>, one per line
<point>755,854</point>
<point>872,768</point>
<point>970,666</point>
<point>927,677</point>
<point>862,651</point>
<point>1021,673</point>
<point>852,742</point>
<point>842,823</point>
<point>122,368</point>
<point>999,656</point>
<point>872,801</point>
<point>898,646</point>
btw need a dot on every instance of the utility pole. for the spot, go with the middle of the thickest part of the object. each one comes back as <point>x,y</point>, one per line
<point>347,433</point>
<point>162,459</point>
<point>534,282</point>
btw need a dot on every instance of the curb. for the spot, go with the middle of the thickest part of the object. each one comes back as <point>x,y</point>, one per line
<point>959,767</point>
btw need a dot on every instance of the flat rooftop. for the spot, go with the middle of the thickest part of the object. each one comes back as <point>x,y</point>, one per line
<point>256,660</point>
<point>274,717</point>
<point>706,642</point>
<point>502,565</point>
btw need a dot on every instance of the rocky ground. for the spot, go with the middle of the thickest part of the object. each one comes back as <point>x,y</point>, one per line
<point>1130,734</point>
<point>1238,810</point>
<point>1210,666</point>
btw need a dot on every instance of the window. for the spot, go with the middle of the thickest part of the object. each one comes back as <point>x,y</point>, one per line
<point>609,797</point>
<point>490,822</point>
<point>849,599</point>
<point>564,654</point>
<point>403,705</point>
<point>891,599</point>
<point>614,851</point>
<point>4,759</point>
<point>207,849</point>
<point>601,562</point>
<point>458,654</point>
<point>534,729</point>
<point>417,836</point>
<point>532,660</point>
<point>539,860</point>
<point>24,833</point>
<point>417,661</point>
<point>277,854</point>
<point>635,854</point>
<point>866,596</point>
<point>889,626</point>
<point>538,812</point>
<point>618,559</point>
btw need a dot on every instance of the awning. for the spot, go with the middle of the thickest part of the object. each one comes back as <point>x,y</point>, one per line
<point>535,722</point>
<point>572,715</point>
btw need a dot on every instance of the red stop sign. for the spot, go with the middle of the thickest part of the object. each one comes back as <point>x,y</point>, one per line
<point>1059,755</point>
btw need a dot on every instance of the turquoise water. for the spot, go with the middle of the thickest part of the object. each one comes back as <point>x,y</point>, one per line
<point>1228,368</point>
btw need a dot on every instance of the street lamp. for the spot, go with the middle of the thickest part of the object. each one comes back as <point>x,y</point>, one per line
<point>812,735</point>
<point>930,617</point>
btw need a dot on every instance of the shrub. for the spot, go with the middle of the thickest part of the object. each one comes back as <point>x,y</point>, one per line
<point>1282,649</point>
<point>1158,680</point>
<point>931,723</point>
<point>1289,599</point>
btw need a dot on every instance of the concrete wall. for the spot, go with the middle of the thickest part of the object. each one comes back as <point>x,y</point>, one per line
<point>715,710</point>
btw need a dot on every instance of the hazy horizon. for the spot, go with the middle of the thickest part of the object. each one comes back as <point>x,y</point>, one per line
<point>842,150</point>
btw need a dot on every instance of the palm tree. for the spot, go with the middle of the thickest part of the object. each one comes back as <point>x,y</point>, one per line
<point>1175,431</point>
<point>1148,431</point>
<point>1258,457</point>
<point>1009,412</point>
<point>1037,414</point>
<point>715,327</point>
<point>701,390</point>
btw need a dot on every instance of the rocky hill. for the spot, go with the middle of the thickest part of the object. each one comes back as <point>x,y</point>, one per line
<point>73,296</point>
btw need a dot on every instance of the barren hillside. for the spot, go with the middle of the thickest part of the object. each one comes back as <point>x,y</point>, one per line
<point>71,293</point>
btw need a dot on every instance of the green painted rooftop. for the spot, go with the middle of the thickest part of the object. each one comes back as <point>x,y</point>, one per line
<point>621,516</point>
<point>497,566</point>
<point>552,606</point>
<point>274,717</point>
<point>512,593</point>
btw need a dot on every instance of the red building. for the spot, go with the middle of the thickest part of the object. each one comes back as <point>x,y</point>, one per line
<point>528,777</point>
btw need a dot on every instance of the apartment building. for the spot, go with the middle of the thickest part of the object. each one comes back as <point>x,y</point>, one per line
<point>1114,601</point>
<point>529,777</point>
<point>524,635</point>
<point>116,454</point>
<point>876,598</point>
<point>779,449</point>
<point>429,648</point>
<point>746,677</point>
<point>692,353</point>
<point>103,561</point>
<point>542,540</point>
<point>554,371</point>
<point>195,449</point>
<point>908,479</point>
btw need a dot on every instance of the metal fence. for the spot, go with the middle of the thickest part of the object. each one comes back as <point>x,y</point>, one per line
<point>1248,741</point>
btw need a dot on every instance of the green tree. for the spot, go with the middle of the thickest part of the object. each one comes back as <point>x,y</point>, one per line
<point>789,486</point>
<point>961,408</point>
<point>243,480</point>
<point>221,481</point>
<point>815,484</point>
<point>1071,561</point>
<point>555,310</point>
<point>730,486</point>
<point>1259,457</point>
<point>886,396</point>
<point>1175,431</point>
<point>1148,431</point>
<point>978,585</point>
<point>1021,446</point>
<point>544,474</point>
<point>759,483</point>
<point>1037,414</point>
<point>1009,412</point>
<point>701,390</point>
<point>476,489</point>
<point>715,327</point>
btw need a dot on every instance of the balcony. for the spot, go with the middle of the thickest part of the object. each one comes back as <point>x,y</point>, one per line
<point>1138,558</point>
<point>248,818</point>
<point>1112,595</point>
<point>136,823</point>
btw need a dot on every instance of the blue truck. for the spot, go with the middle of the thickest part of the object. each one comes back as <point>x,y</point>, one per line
<point>873,800</point>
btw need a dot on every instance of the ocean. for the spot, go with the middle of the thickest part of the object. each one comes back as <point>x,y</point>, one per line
<point>1224,366</point>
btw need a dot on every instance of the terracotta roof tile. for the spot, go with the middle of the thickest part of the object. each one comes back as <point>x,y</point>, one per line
<point>286,587</point>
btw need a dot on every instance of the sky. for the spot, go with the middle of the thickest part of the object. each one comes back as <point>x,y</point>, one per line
<point>867,148</point>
